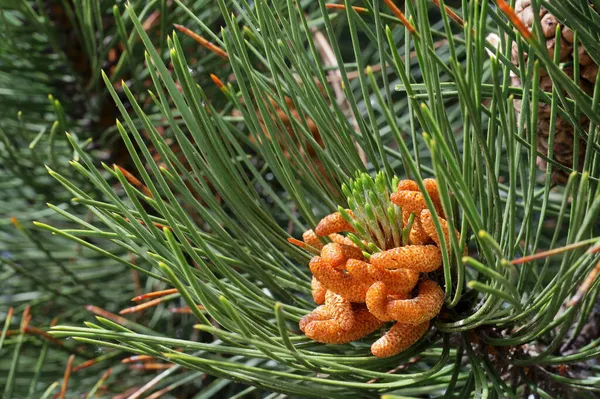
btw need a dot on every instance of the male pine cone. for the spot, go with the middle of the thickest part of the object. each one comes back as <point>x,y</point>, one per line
<point>564,140</point>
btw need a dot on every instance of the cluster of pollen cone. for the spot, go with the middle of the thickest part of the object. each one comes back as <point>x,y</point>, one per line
<point>376,272</point>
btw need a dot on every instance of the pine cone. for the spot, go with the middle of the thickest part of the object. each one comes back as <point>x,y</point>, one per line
<point>564,141</point>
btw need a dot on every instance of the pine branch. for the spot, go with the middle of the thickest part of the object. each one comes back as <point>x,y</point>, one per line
<point>224,173</point>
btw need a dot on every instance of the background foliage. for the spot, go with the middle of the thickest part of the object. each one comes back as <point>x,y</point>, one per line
<point>215,174</point>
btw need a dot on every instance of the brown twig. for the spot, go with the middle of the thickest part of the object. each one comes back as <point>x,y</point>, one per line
<point>84,365</point>
<point>303,245</point>
<point>134,181</point>
<point>154,294</point>
<point>185,309</point>
<point>551,252</point>
<point>342,7</point>
<point>145,305</point>
<point>151,366</point>
<point>451,13</point>
<point>25,318</point>
<point>329,60</point>
<point>157,225</point>
<point>43,334</point>
<point>63,388</point>
<point>107,315</point>
<point>151,20</point>
<point>514,19</point>
<point>182,310</point>
<point>103,379</point>
<point>585,286</point>
<point>150,384</point>
<point>126,394</point>
<point>218,82</point>
<point>7,321</point>
<point>137,358</point>
<point>203,42</point>
<point>400,15</point>
<point>161,392</point>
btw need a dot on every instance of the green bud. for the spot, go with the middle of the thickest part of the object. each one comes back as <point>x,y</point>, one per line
<point>359,229</point>
<point>391,216</point>
<point>358,197</point>
<point>357,241</point>
<point>380,182</point>
<point>373,198</point>
<point>396,234</point>
<point>358,185</point>
<point>346,190</point>
<point>370,213</point>
<point>351,204</point>
<point>373,248</point>
<point>406,231</point>
<point>345,215</point>
<point>367,182</point>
